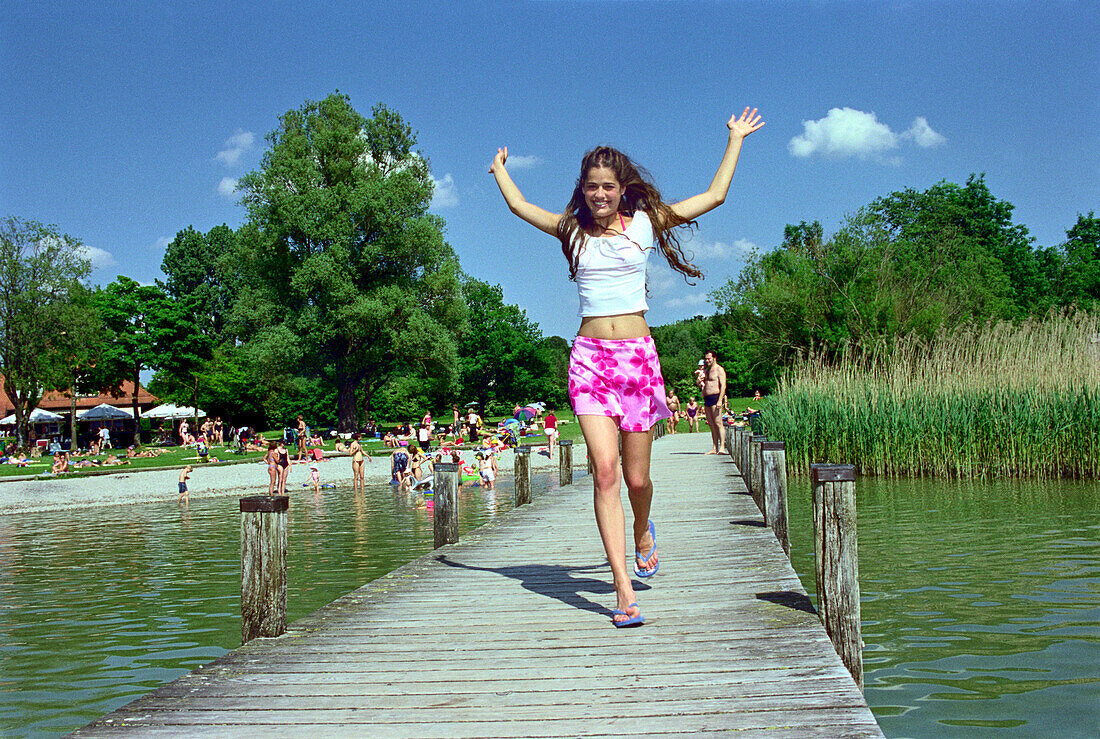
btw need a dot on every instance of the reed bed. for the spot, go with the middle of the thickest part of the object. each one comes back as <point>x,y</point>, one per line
<point>986,401</point>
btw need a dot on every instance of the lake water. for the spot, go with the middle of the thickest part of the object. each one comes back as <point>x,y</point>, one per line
<point>981,602</point>
<point>99,606</point>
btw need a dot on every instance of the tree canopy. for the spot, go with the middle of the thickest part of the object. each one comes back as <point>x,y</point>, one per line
<point>348,280</point>
<point>46,328</point>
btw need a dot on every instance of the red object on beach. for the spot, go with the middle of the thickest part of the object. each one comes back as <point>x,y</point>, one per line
<point>318,455</point>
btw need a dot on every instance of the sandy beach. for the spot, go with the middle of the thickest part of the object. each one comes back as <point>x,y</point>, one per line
<point>144,486</point>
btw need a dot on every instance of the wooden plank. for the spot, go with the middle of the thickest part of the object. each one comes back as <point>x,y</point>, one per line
<point>508,634</point>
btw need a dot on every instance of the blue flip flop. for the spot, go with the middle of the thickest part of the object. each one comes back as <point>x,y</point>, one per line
<point>638,556</point>
<point>630,621</point>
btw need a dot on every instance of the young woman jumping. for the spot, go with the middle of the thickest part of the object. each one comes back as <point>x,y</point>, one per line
<point>612,223</point>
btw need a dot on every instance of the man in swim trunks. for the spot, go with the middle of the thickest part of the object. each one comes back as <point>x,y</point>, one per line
<point>714,396</point>
<point>673,403</point>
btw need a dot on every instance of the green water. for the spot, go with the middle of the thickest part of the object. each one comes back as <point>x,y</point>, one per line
<point>98,606</point>
<point>981,603</point>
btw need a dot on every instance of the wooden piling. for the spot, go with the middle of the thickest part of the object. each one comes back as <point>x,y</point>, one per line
<point>774,455</point>
<point>565,462</point>
<point>756,470</point>
<point>837,562</point>
<point>263,566</point>
<point>743,454</point>
<point>445,504</point>
<point>522,473</point>
<point>729,437</point>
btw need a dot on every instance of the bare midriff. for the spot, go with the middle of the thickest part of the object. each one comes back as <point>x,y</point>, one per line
<point>623,326</point>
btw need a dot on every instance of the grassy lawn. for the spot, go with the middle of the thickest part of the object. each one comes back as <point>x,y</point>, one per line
<point>175,456</point>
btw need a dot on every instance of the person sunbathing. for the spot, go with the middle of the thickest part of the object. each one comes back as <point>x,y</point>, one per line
<point>113,460</point>
<point>87,463</point>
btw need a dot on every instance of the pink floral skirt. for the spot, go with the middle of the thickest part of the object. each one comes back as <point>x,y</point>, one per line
<point>620,378</point>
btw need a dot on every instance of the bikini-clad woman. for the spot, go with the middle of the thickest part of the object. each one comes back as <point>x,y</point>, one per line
<point>272,460</point>
<point>357,459</point>
<point>613,221</point>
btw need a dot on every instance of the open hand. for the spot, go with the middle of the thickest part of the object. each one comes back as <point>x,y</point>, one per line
<point>502,157</point>
<point>744,124</point>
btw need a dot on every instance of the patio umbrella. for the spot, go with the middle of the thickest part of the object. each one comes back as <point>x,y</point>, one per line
<point>104,412</point>
<point>173,411</point>
<point>526,413</point>
<point>472,405</point>
<point>38,415</point>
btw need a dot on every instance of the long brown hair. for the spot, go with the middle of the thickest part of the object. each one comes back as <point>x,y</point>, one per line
<point>639,193</point>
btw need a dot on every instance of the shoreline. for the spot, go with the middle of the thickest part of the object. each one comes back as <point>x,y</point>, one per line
<point>159,485</point>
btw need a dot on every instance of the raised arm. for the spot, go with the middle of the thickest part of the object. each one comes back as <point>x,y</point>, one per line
<point>541,219</point>
<point>739,127</point>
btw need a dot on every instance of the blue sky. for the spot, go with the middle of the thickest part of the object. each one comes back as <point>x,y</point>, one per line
<point>125,123</point>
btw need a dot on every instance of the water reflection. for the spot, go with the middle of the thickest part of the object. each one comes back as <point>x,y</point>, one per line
<point>99,606</point>
<point>981,604</point>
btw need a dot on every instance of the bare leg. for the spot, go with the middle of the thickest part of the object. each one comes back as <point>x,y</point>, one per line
<point>273,473</point>
<point>715,426</point>
<point>639,486</point>
<point>601,435</point>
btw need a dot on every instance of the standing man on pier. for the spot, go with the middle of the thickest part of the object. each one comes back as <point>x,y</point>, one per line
<point>714,399</point>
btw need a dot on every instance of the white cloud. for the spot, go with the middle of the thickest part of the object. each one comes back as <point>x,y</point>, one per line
<point>659,278</point>
<point>445,194</point>
<point>923,135</point>
<point>99,258</point>
<point>846,132</point>
<point>687,300</point>
<point>523,162</point>
<point>235,146</point>
<point>739,250</point>
<point>227,186</point>
<point>161,243</point>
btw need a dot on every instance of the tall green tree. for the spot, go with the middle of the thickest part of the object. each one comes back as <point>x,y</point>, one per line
<point>1078,278</point>
<point>43,313</point>
<point>199,269</point>
<point>134,316</point>
<point>909,262</point>
<point>347,270</point>
<point>501,357</point>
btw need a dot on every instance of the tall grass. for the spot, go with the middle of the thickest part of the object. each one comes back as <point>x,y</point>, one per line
<point>985,401</point>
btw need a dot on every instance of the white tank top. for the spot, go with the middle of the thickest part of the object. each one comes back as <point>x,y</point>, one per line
<point>611,270</point>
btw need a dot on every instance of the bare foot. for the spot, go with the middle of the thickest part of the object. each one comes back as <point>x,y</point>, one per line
<point>625,602</point>
<point>645,545</point>
<point>712,451</point>
<point>629,610</point>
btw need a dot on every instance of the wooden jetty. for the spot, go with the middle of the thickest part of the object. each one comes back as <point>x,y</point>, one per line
<point>508,634</point>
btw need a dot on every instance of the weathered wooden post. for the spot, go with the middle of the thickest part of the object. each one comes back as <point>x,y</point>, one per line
<point>729,437</point>
<point>774,455</point>
<point>522,474</point>
<point>837,561</point>
<point>263,566</point>
<point>743,453</point>
<point>445,504</point>
<point>565,462</point>
<point>756,470</point>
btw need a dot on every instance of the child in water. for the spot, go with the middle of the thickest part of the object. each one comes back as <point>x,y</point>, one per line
<point>185,495</point>
<point>315,478</point>
<point>487,466</point>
